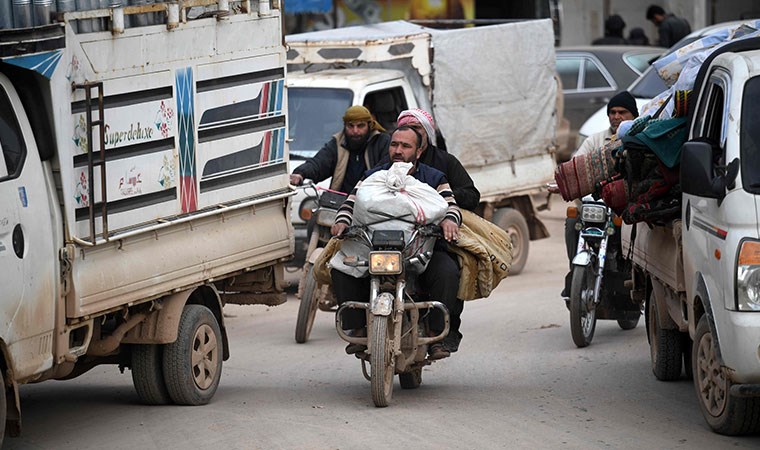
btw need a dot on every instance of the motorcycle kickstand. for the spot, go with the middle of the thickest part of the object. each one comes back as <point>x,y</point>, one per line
<point>364,370</point>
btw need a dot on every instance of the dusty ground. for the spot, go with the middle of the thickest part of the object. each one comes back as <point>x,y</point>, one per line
<point>517,382</point>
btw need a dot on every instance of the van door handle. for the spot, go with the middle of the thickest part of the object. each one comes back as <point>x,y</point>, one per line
<point>18,241</point>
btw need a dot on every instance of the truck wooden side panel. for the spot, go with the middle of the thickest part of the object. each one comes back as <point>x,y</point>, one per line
<point>657,251</point>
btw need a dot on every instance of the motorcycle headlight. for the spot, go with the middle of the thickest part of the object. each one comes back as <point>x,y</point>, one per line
<point>748,277</point>
<point>385,263</point>
<point>594,213</point>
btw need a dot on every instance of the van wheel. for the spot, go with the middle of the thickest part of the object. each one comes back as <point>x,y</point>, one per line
<point>724,413</point>
<point>3,408</point>
<point>193,363</point>
<point>148,374</point>
<point>511,221</point>
<point>664,346</point>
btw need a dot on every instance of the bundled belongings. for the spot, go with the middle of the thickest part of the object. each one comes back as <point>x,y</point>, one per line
<point>583,174</point>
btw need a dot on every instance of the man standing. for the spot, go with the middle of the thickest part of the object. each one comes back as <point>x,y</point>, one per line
<point>348,154</point>
<point>613,32</point>
<point>671,28</point>
<point>441,277</point>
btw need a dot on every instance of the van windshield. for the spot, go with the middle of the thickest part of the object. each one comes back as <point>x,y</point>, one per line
<point>750,136</point>
<point>315,114</point>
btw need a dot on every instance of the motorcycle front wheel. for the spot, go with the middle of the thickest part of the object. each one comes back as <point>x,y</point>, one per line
<point>381,362</point>
<point>582,308</point>
<point>307,310</point>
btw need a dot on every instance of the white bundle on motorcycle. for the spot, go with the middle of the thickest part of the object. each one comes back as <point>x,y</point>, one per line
<point>391,200</point>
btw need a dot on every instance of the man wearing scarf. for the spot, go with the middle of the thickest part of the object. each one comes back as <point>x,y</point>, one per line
<point>348,154</point>
<point>466,194</point>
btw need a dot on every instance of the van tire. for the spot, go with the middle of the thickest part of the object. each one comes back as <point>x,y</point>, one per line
<point>3,407</point>
<point>511,221</point>
<point>193,363</point>
<point>664,345</point>
<point>726,414</point>
<point>148,374</point>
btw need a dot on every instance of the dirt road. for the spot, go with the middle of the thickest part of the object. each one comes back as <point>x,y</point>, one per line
<point>517,382</point>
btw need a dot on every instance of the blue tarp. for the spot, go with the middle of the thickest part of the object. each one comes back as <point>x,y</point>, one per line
<point>308,6</point>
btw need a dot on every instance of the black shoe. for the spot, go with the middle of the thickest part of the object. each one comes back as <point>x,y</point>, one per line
<point>356,348</point>
<point>451,343</point>
<point>438,351</point>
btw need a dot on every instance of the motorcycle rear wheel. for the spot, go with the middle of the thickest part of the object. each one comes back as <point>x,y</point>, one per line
<point>582,318</point>
<point>307,311</point>
<point>381,362</point>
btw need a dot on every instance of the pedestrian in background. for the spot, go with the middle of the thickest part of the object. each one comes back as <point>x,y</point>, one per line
<point>613,32</point>
<point>670,27</point>
<point>637,37</point>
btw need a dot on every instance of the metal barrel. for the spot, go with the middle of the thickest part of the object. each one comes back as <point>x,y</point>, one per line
<point>43,11</point>
<point>117,4</point>
<point>68,6</point>
<point>85,26</point>
<point>22,13</point>
<point>6,14</point>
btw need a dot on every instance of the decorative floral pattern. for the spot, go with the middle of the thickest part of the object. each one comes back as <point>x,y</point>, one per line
<point>163,120</point>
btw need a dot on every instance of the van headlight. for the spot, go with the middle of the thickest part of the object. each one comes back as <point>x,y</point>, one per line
<point>593,213</point>
<point>385,263</point>
<point>748,277</point>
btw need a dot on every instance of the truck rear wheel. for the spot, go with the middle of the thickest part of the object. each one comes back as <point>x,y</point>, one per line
<point>511,221</point>
<point>724,413</point>
<point>664,345</point>
<point>148,374</point>
<point>193,363</point>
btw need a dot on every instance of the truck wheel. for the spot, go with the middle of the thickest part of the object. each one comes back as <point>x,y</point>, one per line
<point>664,346</point>
<point>511,221</point>
<point>193,363</point>
<point>307,310</point>
<point>724,413</point>
<point>582,308</point>
<point>148,374</point>
<point>3,407</point>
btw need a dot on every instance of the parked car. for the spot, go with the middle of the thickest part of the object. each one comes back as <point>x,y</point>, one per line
<point>649,84</point>
<point>591,75</point>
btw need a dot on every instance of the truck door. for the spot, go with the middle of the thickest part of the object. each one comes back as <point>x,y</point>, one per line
<point>28,273</point>
<point>706,226</point>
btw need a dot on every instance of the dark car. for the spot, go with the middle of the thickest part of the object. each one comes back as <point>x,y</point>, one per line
<point>591,75</point>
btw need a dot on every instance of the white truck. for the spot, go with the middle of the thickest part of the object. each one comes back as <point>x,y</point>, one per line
<point>492,91</point>
<point>700,275</point>
<point>143,185</point>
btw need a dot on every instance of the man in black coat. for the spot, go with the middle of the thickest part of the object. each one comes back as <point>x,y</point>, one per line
<point>466,194</point>
<point>671,28</point>
<point>348,154</point>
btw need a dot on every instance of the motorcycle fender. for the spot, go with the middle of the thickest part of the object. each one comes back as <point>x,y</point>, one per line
<point>315,254</point>
<point>382,304</point>
<point>582,259</point>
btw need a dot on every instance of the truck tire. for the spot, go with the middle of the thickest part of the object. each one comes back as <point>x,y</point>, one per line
<point>664,346</point>
<point>628,324</point>
<point>3,407</point>
<point>511,221</point>
<point>148,374</point>
<point>724,413</point>
<point>193,363</point>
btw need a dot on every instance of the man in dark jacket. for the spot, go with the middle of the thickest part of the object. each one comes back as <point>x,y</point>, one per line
<point>466,194</point>
<point>671,28</point>
<point>613,32</point>
<point>348,154</point>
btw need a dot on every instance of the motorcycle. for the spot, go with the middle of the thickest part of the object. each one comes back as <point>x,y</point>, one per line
<point>600,271</point>
<point>314,296</point>
<point>397,331</point>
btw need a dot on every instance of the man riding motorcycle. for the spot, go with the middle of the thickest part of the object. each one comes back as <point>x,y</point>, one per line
<point>441,278</point>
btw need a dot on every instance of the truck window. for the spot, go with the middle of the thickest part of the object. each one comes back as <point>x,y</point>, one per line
<point>710,123</point>
<point>11,142</point>
<point>749,136</point>
<point>386,105</point>
<point>314,115</point>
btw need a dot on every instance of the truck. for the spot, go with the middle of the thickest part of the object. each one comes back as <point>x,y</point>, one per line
<point>496,109</point>
<point>143,186</point>
<point>699,274</point>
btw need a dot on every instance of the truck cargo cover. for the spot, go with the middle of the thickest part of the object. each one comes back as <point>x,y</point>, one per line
<point>493,88</point>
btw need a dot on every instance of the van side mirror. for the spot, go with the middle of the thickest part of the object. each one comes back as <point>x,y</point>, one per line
<point>698,172</point>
